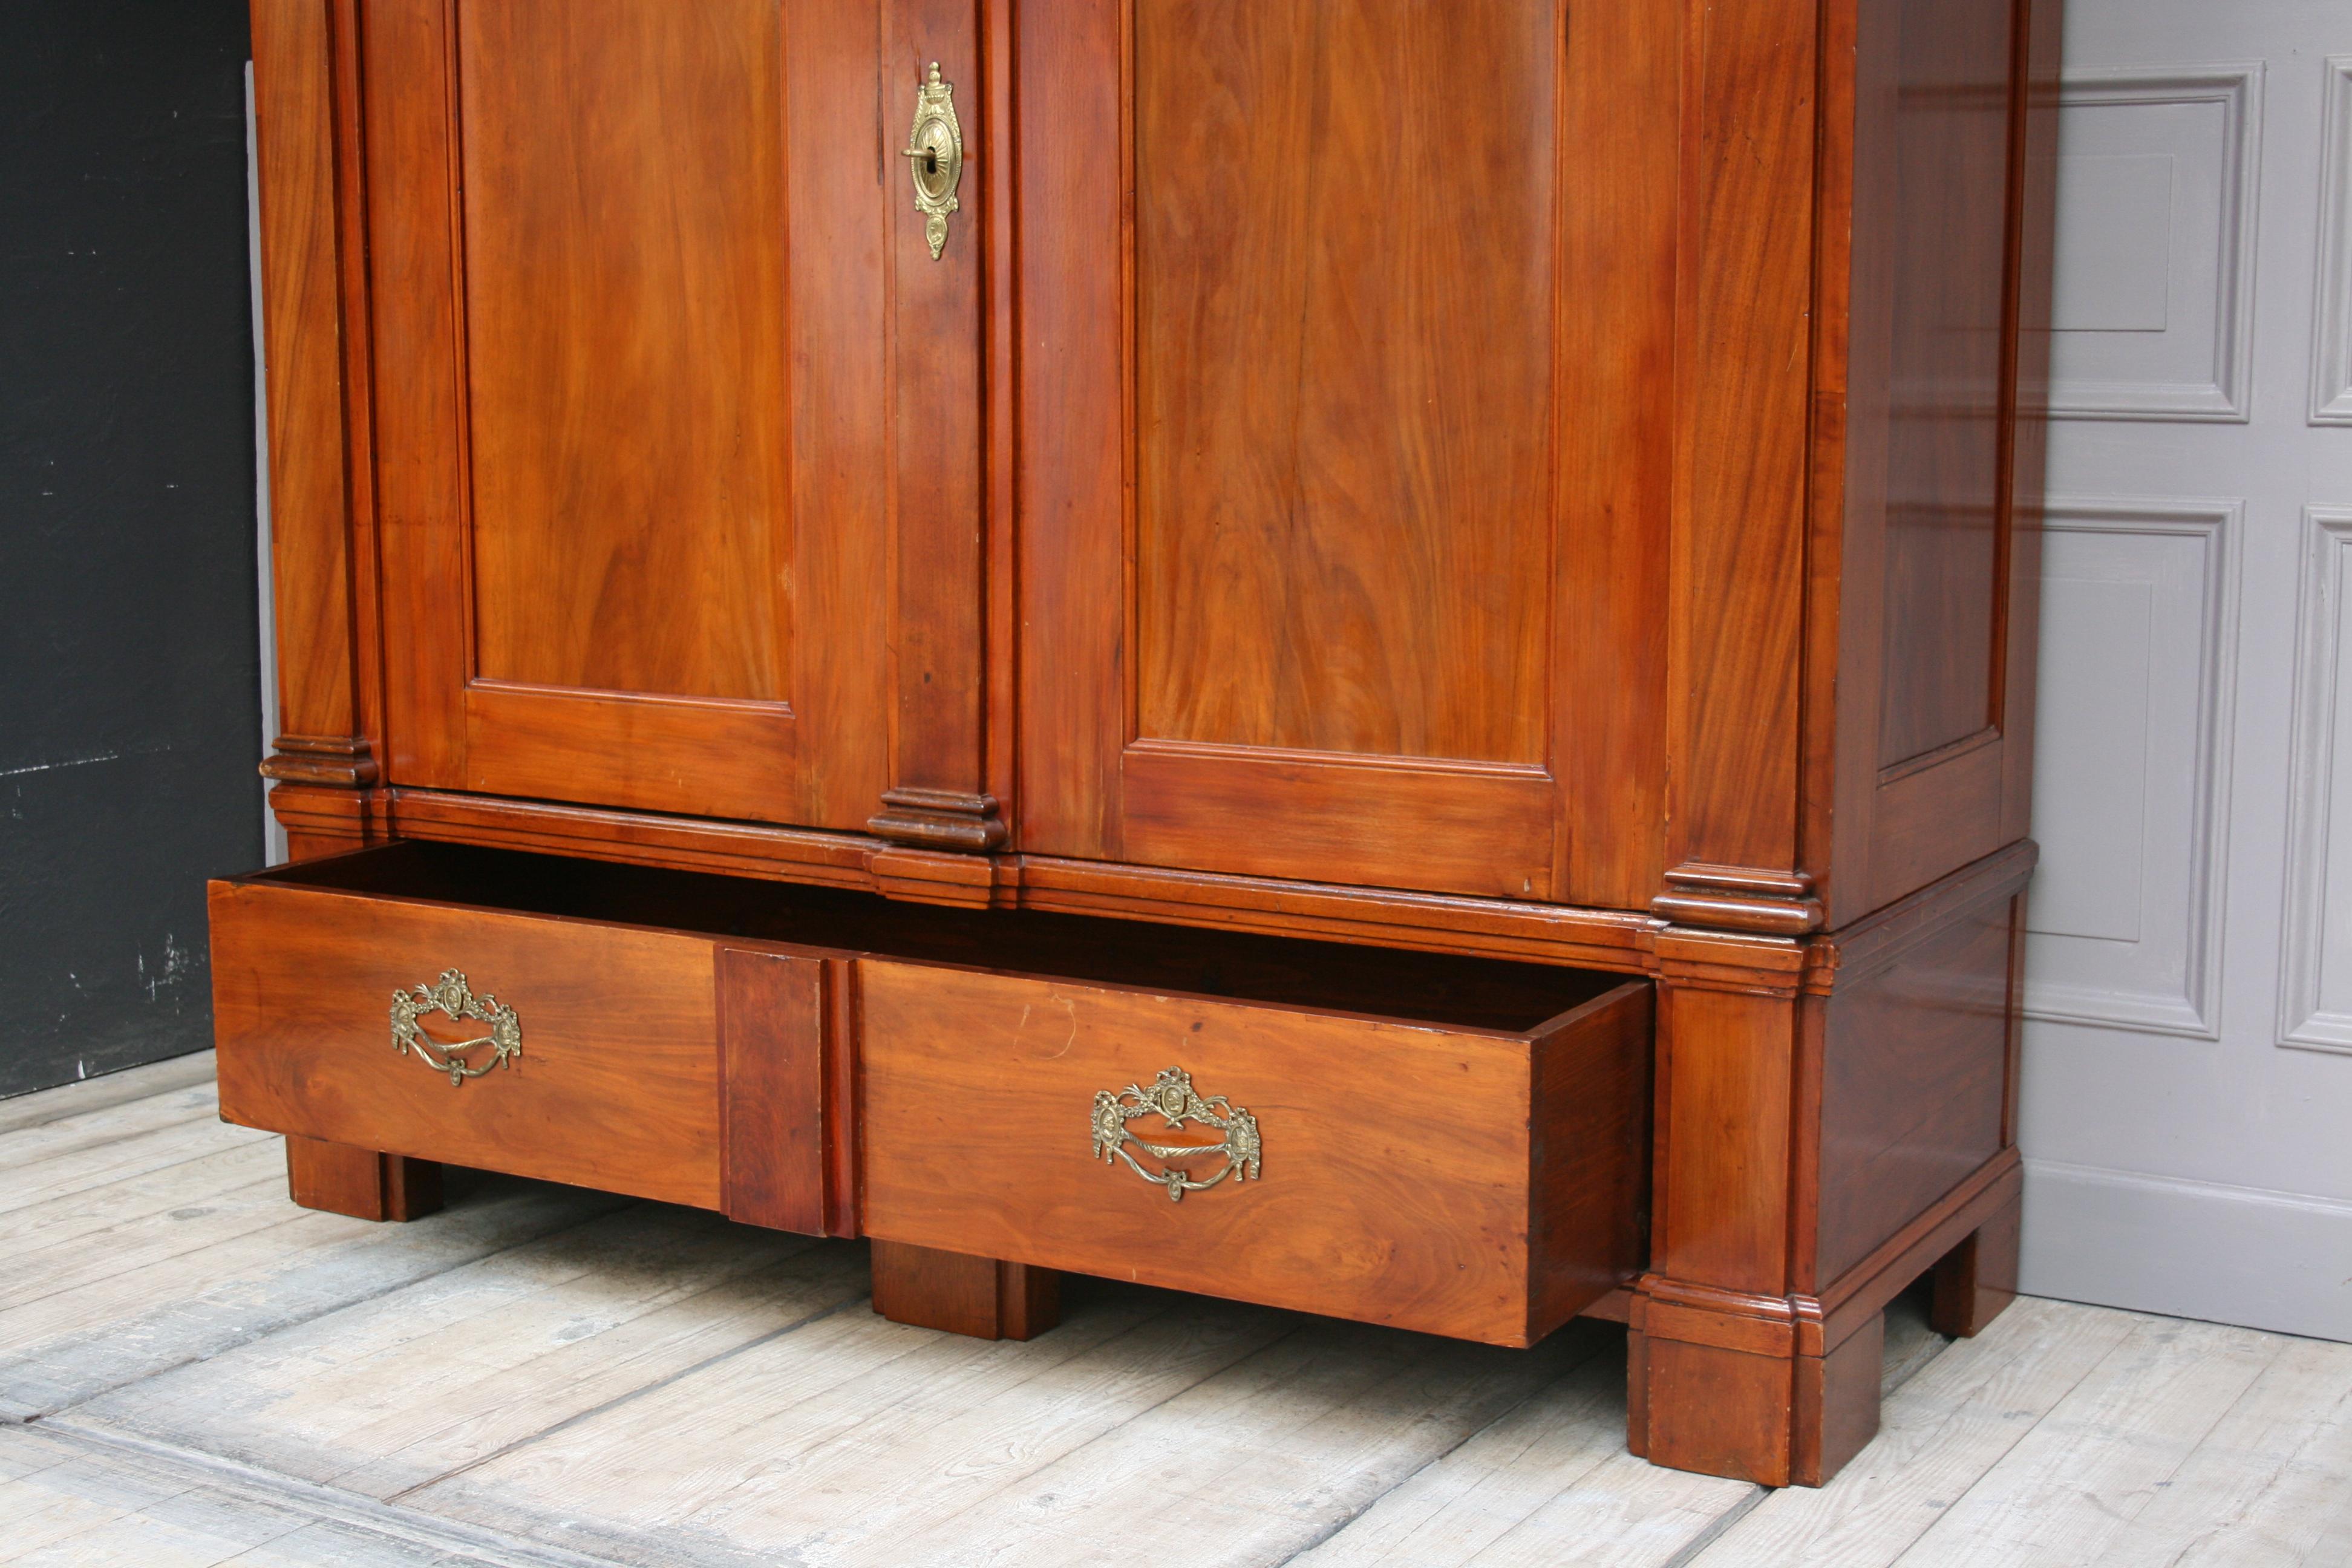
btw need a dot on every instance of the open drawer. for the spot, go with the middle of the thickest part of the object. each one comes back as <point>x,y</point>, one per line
<point>1445,1143</point>
<point>1464,1163</point>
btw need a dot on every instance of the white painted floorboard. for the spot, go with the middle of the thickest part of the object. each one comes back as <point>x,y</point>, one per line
<point>192,1372</point>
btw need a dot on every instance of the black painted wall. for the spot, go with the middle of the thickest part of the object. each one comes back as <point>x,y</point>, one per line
<point>128,707</point>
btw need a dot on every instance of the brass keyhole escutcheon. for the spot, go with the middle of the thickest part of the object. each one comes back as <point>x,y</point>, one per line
<point>934,153</point>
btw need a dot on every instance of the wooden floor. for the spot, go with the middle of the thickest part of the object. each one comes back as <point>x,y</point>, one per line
<point>193,1372</point>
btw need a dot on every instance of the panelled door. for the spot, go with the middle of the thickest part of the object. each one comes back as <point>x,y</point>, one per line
<point>1307,467</point>
<point>628,407</point>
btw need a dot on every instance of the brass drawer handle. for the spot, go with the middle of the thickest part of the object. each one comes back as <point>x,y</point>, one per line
<point>452,995</point>
<point>1173,1099</point>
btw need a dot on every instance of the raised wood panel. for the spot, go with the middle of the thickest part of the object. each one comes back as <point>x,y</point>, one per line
<point>1947,353</point>
<point>633,425</point>
<point>623,206</point>
<point>1343,494</point>
<point>1331,415</point>
<point>1928,458</point>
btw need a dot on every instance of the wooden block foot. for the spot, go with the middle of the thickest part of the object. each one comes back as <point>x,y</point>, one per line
<point>360,1182</point>
<point>1722,1403</point>
<point>1977,1279</point>
<point>981,1297</point>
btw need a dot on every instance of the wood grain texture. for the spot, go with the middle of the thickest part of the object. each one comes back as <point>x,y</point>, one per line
<point>360,1182</point>
<point>1837,1398</point>
<point>979,1298</point>
<point>1292,508</point>
<point>617,1087</point>
<point>938,478</point>
<point>1927,464</point>
<point>1977,1280</point>
<point>1497,928</point>
<point>1914,1059</point>
<point>1271,813</point>
<point>773,1029</point>
<point>586,600</point>
<point>1614,414</point>
<point>646,1382</point>
<point>1342,383</point>
<point>626,400</point>
<point>1745,292</point>
<point>1399,1163</point>
<point>312,236</point>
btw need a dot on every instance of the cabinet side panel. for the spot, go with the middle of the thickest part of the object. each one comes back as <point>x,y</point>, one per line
<point>1914,1062</point>
<point>1948,110</point>
<point>1948,276</point>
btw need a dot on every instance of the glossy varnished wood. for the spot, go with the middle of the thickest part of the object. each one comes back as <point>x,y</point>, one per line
<point>1932,358</point>
<point>620,473</point>
<point>1402,1183</point>
<point>313,333</point>
<point>773,1023</point>
<point>617,1086</point>
<point>1338,397</point>
<point>360,1182</point>
<point>981,1298</point>
<point>1333,435</point>
<point>627,559</point>
<point>1221,536</point>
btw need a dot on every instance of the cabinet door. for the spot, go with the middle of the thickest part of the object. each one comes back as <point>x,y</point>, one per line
<point>628,388</point>
<point>1325,387</point>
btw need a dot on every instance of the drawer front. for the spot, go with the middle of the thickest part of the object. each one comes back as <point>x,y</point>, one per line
<point>1394,1178</point>
<point>615,1085</point>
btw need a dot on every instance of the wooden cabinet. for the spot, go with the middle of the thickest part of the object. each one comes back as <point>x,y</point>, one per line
<point>1500,483</point>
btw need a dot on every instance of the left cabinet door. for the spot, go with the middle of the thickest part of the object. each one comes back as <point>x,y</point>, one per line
<point>627,303</point>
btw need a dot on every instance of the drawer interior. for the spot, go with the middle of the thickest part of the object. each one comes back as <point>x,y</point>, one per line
<point>1434,988</point>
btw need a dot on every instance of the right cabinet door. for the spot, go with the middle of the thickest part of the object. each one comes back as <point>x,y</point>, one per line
<point>1346,333</point>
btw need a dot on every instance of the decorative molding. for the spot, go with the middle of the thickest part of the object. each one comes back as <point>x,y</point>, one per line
<point>2194,1012</point>
<point>2331,349</point>
<point>946,819</point>
<point>2226,395</point>
<point>340,762</point>
<point>1739,898</point>
<point>2304,1021</point>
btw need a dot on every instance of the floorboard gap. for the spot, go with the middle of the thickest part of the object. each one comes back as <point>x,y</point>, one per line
<point>325,1504</point>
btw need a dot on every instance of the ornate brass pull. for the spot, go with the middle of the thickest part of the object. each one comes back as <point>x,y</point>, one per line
<point>936,147</point>
<point>451,995</point>
<point>1173,1099</point>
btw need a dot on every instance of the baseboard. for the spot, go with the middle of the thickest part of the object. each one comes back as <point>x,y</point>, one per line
<point>2189,1249</point>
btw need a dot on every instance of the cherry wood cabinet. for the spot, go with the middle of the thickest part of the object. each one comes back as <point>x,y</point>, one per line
<point>1499,482</point>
